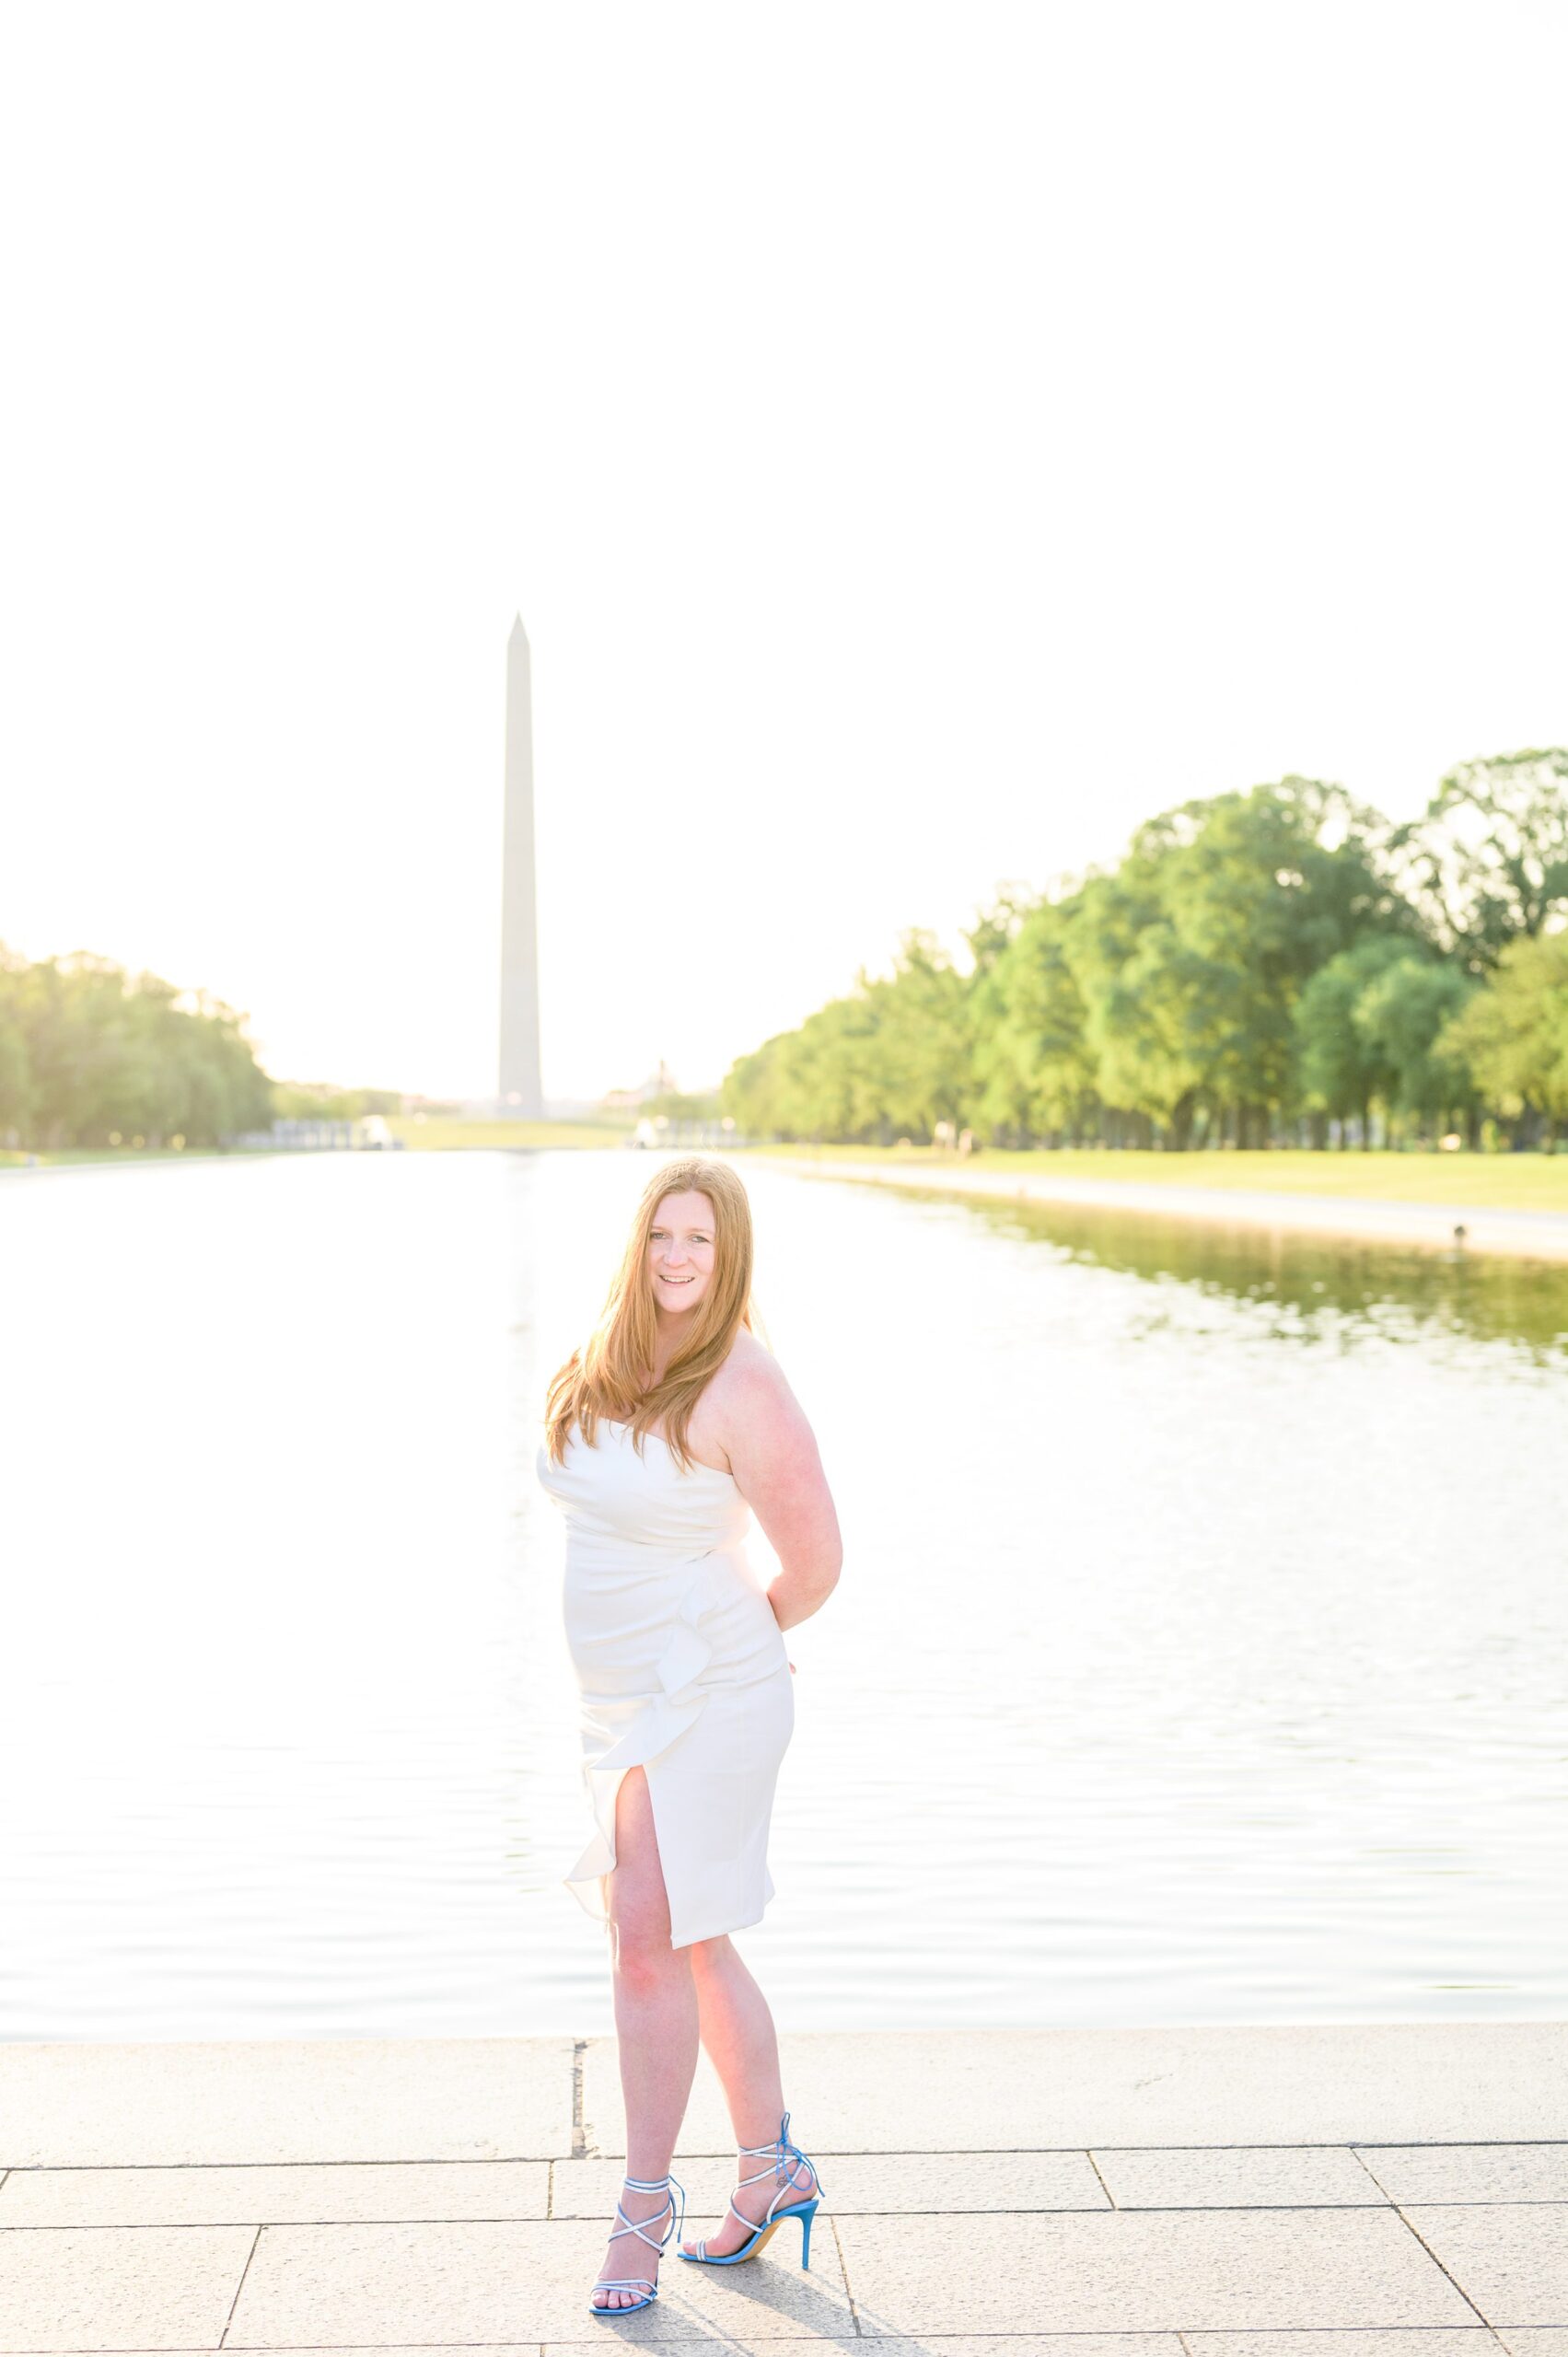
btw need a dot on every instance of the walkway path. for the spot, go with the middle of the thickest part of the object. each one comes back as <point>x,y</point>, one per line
<point>1391,2192</point>
<point>1531,1235</point>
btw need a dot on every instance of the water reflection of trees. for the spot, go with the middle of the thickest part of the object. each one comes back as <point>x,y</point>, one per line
<point>1317,1279</point>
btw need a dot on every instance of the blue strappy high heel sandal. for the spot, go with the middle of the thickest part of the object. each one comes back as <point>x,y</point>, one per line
<point>628,2226</point>
<point>786,2168</point>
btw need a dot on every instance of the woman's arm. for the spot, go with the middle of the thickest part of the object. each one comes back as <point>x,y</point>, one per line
<point>773,1455</point>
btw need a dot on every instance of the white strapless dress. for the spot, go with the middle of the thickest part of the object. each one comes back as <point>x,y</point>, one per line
<point>682,1671</point>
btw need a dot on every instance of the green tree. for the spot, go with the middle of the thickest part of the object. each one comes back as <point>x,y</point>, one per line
<point>923,1046</point>
<point>1489,861</point>
<point>1034,1072</point>
<point>1259,890</point>
<point>832,1071</point>
<point>1343,1068</point>
<point>1401,1016</point>
<point>106,1055</point>
<point>1253,955</point>
<point>1119,948</point>
<point>1513,1036</point>
<point>16,1093</point>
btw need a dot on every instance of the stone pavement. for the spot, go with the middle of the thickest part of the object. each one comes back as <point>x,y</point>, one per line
<point>1398,2190</point>
<point>1525,1236</point>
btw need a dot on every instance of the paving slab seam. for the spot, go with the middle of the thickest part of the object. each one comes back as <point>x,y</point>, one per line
<point>1358,2153</point>
<point>579,2138</point>
<point>195,2168</point>
<point>1192,2336</point>
<point>1448,2272</point>
<point>1015,2152</point>
<point>241,2285</point>
<point>1293,2145</point>
<point>1169,2209</point>
<point>843,2269</point>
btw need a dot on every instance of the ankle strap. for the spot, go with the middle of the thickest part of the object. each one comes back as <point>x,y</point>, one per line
<point>790,2164</point>
<point>674,2221</point>
<point>780,2145</point>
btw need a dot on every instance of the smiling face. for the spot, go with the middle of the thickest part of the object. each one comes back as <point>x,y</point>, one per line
<point>680,1251</point>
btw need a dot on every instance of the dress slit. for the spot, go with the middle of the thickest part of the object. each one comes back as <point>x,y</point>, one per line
<point>682,1671</point>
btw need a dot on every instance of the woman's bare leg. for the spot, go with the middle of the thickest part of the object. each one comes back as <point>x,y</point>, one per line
<point>656,2026</point>
<point>740,2042</point>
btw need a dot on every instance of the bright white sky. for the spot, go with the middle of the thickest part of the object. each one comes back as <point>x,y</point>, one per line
<point>922,441</point>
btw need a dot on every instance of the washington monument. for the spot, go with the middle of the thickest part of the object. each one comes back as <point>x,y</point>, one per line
<point>520,1085</point>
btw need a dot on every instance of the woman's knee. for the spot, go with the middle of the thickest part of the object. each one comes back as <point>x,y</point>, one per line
<point>709,1955</point>
<point>640,1955</point>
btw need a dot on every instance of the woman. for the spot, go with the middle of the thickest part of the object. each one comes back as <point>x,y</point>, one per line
<point>663,1435</point>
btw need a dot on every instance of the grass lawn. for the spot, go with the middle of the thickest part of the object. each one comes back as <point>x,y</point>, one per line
<point>1516,1182</point>
<point>18,1157</point>
<point>431,1135</point>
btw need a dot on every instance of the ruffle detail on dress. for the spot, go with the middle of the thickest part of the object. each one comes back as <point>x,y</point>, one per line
<point>688,1652</point>
<point>669,1712</point>
<point>665,1716</point>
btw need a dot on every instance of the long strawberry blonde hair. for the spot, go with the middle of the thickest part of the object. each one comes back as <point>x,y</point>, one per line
<point>609,1374</point>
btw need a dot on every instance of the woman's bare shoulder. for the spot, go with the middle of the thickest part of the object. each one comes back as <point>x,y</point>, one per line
<point>750,1366</point>
<point>750,1385</point>
<point>771,1447</point>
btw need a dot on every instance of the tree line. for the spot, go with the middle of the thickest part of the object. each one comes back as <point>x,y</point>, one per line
<point>91,1056</point>
<point>1279,966</point>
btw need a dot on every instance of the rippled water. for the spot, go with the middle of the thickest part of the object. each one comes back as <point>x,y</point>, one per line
<point>1201,1655</point>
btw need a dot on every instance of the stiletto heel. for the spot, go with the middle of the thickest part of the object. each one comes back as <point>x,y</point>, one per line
<point>629,2226</point>
<point>789,2157</point>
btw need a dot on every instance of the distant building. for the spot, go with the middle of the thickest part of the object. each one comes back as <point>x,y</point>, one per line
<point>631,1100</point>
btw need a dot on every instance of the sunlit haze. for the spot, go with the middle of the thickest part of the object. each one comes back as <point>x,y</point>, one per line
<point>921,443</point>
